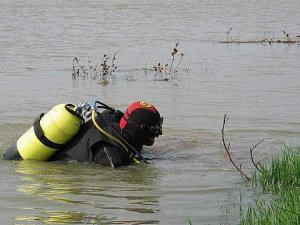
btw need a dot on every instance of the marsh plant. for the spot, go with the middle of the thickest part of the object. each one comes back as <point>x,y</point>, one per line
<point>282,209</point>
<point>228,33</point>
<point>286,39</point>
<point>278,201</point>
<point>101,69</point>
<point>165,71</point>
<point>105,68</point>
<point>283,172</point>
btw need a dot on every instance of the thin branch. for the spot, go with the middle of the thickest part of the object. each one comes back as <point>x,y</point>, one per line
<point>227,149</point>
<point>74,71</point>
<point>175,50</point>
<point>113,66</point>
<point>252,160</point>
<point>181,56</point>
<point>171,64</point>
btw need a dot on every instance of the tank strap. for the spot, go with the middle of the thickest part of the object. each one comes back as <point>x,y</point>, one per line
<point>40,134</point>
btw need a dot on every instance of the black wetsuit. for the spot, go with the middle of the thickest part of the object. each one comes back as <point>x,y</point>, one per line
<point>90,145</point>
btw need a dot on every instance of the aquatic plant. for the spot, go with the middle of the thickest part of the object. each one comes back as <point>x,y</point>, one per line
<point>163,70</point>
<point>278,183</point>
<point>228,32</point>
<point>282,209</point>
<point>102,69</point>
<point>106,67</point>
<point>282,179</point>
<point>160,69</point>
<point>263,40</point>
<point>283,173</point>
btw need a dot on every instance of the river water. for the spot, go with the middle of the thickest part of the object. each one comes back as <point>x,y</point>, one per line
<point>256,85</point>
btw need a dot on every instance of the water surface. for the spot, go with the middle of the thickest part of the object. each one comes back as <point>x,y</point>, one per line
<point>188,178</point>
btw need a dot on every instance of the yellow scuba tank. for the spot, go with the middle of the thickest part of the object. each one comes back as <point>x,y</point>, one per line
<point>49,132</point>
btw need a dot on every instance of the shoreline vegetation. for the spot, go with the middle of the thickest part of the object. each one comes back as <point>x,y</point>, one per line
<point>277,184</point>
<point>260,41</point>
<point>279,200</point>
<point>286,39</point>
<point>105,68</point>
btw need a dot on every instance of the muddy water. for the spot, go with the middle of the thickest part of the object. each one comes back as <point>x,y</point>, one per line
<point>256,85</point>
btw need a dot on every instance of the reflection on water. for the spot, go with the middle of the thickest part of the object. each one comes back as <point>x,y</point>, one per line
<point>64,217</point>
<point>102,190</point>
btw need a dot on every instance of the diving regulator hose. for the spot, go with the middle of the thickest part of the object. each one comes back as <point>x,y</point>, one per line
<point>94,113</point>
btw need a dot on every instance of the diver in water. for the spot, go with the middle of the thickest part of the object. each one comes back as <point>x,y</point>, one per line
<point>110,138</point>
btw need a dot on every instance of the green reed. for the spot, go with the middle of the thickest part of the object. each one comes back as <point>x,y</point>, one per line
<point>280,182</point>
<point>284,209</point>
<point>283,172</point>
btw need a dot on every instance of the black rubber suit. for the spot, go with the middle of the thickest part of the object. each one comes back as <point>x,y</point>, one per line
<point>90,145</point>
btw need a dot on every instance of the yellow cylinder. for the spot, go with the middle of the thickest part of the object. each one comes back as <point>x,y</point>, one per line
<point>59,125</point>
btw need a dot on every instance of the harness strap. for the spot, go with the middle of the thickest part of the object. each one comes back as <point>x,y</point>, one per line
<point>40,134</point>
<point>100,120</point>
<point>120,139</point>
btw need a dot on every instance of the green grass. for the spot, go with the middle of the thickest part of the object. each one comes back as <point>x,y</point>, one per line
<point>283,173</point>
<point>279,202</point>
<point>284,209</point>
